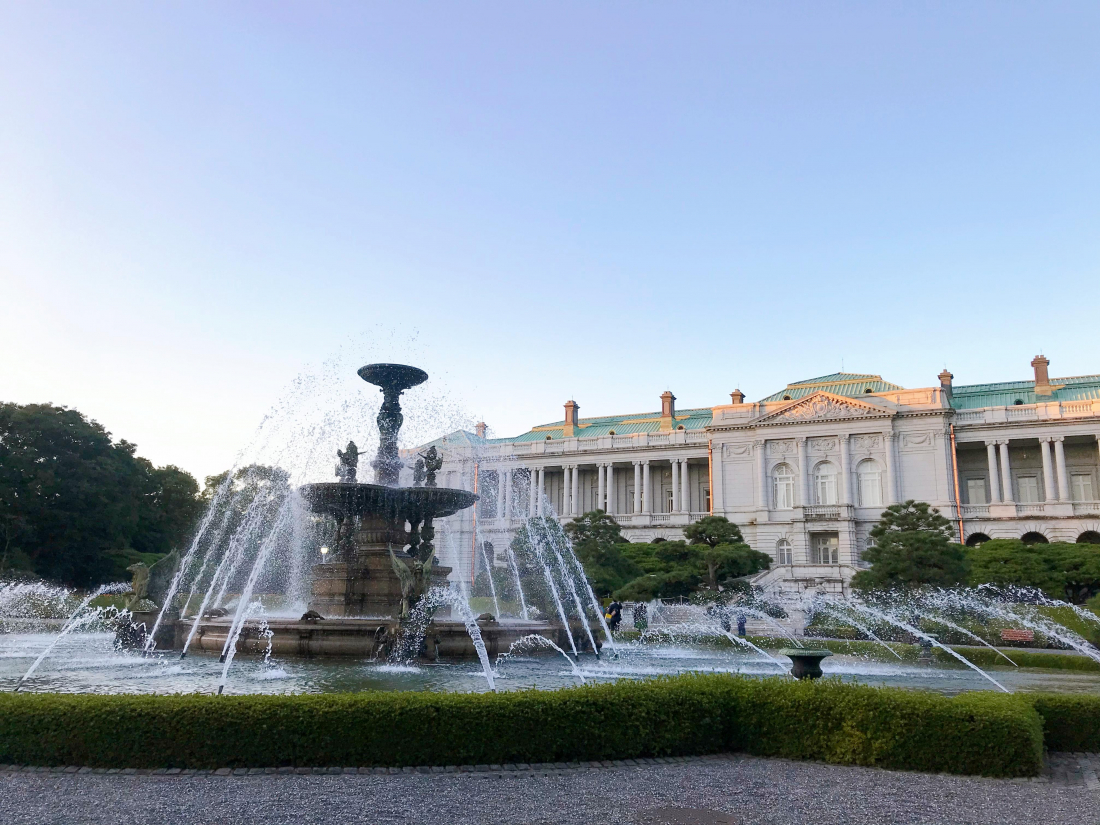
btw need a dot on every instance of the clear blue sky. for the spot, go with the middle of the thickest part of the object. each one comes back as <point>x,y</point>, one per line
<point>198,201</point>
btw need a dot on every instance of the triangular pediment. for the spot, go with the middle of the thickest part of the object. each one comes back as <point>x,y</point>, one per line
<point>823,406</point>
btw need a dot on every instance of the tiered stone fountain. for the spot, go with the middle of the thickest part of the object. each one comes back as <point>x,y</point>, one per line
<point>384,559</point>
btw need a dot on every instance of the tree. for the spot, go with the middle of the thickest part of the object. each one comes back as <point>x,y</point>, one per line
<point>596,537</point>
<point>676,568</point>
<point>911,547</point>
<point>1061,570</point>
<point>713,530</point>
<point>70,497</point>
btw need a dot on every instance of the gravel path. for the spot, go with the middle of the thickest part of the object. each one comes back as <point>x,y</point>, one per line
<point>709,791</point>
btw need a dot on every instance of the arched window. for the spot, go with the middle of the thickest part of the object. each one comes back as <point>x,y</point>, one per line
<point>783,487</point>
<point>1034,538</point>
<point>825,483</point>
<point>976,539</point>
<point>1089,537</point>
<point>783,553</point>
<point>869,476</point>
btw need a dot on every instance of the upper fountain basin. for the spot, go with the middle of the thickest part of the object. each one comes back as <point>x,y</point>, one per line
<point>393,376</point>
<point>409,503</point>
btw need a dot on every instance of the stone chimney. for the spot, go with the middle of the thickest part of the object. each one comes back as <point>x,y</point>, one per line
<point>737,397</point>
<point>945,382</point>
<point>1042,377</point>
<point>571,408</point>
<point>668,410</point>
<point>480,429</point>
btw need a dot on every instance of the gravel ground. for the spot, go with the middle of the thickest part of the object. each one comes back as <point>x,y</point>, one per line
<point>711,791</point>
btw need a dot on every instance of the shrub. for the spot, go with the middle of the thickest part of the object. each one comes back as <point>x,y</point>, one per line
<point>1070,723</point>
<point>985,734</point>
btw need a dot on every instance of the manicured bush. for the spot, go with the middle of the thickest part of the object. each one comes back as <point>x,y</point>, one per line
<point>850,724</point>
<point>1070,722</point>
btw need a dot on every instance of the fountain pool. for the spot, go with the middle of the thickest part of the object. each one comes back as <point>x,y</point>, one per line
<point>90,663</point>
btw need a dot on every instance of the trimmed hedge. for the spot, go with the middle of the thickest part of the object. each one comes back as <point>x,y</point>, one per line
<point>977,733</point>
<point>1070,722</point>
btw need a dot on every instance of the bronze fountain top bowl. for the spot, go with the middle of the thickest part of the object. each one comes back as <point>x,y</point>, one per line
<point>341,499</point>
<point>393,376</point>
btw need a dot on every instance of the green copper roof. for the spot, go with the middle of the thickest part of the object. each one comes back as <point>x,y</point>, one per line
<point>849,384</point>
<point>619,424</point>
<point>1009,393</point>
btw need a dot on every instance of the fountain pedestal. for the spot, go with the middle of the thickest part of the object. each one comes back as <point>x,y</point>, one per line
<point>362,581</point>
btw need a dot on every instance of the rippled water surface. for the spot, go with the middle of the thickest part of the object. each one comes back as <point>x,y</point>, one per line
<point>89,663</point>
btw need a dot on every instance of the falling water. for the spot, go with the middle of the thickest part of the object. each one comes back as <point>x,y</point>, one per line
<point>534,640</point>
<point>536,546</point>
<point>862,628</point>
<point>519,585</point>
<point>489,576</point>
<point>75,621</point>
<point>931,639</point>
<point>468,618</point>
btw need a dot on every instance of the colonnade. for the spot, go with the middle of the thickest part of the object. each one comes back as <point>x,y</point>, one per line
<point>1055,483</point>
<point>607,497</point>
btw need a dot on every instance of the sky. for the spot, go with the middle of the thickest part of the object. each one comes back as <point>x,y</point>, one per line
<point>202,202</point>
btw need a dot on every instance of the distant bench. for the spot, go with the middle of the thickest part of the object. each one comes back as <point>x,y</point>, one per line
<point>1010,635</point>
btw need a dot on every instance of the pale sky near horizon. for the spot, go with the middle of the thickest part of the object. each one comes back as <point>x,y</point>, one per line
<point>201,201</point>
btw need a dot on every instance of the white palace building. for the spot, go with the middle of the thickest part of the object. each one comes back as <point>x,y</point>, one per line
<point>805,472</point>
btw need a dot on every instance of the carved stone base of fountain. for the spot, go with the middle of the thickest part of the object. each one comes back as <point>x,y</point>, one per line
<point>445,639</point>
<point>363,582</point>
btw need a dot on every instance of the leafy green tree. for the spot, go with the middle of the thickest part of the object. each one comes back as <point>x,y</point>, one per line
<point>714,530</point>
<point>596,538</point>
<point>1061,570</point>
<point>71,498</point>
<point>676,568</point>
<point>911,547</point>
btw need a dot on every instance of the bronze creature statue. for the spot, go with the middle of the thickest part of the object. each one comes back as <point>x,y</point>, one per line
<point>349,461</point>
<point>418,473</point>
<point>433,461</point>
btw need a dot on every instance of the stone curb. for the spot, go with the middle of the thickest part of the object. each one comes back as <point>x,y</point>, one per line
<point>1060,768</point>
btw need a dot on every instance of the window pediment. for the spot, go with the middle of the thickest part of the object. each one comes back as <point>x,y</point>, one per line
<point>824,406</point>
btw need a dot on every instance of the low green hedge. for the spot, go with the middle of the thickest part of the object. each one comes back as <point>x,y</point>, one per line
<point>976,733</point>
<point>1070,722</point>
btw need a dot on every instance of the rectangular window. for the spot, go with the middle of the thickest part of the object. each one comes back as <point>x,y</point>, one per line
<point>1082,487</point>
<point>784,492</point>
<point>975,491</point>
<point>1027,488</point>
<point>870,489</point>
<point>706,500</point>
<point>826,549</point>
<point>668,501</point>
<point>630,499</point>
<point>826,489</point>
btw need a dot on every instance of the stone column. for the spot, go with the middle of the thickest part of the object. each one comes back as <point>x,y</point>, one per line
<point>542,491</point>
<point>533,492</point>
<point>844,491</point>
<point>803,474</point>
<point>891,469</point>
<point>576,494</point>
<point>994,476</point>
<point>1064,493</point>
<point>566,490</point>
<point>1049,493</point>
<point>507,493</point>
<point>676,485</point>
<point>685,487</point>
<point>645,487</point>
<point>500,493</point>
<point>637,486</point>
<point>611,488</point>
<point>601,489</point>
<point>761,475</point>
<point>1006,473</point>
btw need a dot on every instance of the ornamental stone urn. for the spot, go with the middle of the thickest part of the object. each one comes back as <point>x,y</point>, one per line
<point>805,664</point>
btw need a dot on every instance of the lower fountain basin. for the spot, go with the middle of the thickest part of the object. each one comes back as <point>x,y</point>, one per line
<point>366,638</point>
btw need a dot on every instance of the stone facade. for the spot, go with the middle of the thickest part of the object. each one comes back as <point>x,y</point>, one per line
<point>805,472</point>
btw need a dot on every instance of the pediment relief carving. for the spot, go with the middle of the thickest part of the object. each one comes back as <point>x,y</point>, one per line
<point>823,406</point>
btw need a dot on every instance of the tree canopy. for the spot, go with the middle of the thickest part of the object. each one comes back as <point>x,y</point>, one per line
<point>78,507</point>
<point>911,547</point>
<point>1061,570</point>
<point>596,538</point>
